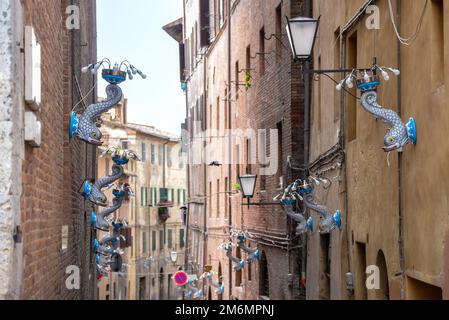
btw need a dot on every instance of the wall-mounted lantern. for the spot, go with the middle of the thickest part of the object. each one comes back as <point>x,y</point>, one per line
<point>173,256</point>
<point>248,185</point>
<point>301,32</point>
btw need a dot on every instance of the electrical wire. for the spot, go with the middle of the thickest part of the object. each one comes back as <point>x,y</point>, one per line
<point>85,96</point>
<point>407,41</point>
<point>344,89</point>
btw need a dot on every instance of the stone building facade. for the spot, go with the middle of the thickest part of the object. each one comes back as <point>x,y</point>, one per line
<point>44,227</point>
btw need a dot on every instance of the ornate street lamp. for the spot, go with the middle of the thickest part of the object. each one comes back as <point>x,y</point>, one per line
<point>173,256</point>
<point>301,32</point>
<point>248,185</point>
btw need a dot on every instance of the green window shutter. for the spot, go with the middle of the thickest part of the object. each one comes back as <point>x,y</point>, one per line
<point>141,196</point>
<point>153,241</point>
<point>178,196</point>
<point>181,238</point>
<point>144,242</point>
<point>151,196</point>
<point>170,238</point>
<point>146,196</point>
<point>161,240</point>
<point>163,194</point>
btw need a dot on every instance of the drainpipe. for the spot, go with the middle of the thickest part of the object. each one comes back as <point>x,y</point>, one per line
<point>307,101</point>
<point>187,138</point>
<point>400,208</point>
<point>230,136</point>
<point>204,113</point>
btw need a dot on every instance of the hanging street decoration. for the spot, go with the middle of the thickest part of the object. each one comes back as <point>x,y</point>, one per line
<point>367,82</point>
<point>218,285</point>
<point>239,264</point>
<point>289,200</point>
<point>328,221</point>
<point>119,156</point>
<point>302,191</point>
<point>92,191</point>
<point>122,192</point>
<point>248,80</point>
<point>253,254</point>
<point>108,254</point>
<point>190,289</point>
<point>85,126</point>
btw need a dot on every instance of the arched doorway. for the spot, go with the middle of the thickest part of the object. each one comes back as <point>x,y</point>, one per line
<point>384,292</point>
<point>264,278</point>
<point>220,280</point>
<point>161,284</point>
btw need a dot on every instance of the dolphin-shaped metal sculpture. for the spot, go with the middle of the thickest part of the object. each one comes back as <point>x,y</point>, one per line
<point>329,222</point>
<point>253,254</point>
<point>92,191</point>
<point>239,264</point>
<point>84,126</point>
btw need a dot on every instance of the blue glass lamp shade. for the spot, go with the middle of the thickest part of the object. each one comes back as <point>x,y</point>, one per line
<point>337,218</point>
<point>368,86</point>
<point>86,189</point>
<point>120,161</point>
<point>411,130</point>
<point>257,254</point>
<point>93,218</point>
<point>74,123</point>
<point>118,194</point>
<point>220,289</point>
<point>113,76</point>
<point>310,224</point>
<point>96,245</point>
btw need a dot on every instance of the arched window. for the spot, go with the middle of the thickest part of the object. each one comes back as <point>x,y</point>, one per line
<point>384,292</point>
<point>264,279</point>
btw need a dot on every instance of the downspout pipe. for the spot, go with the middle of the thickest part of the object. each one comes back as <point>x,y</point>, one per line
<point>400,206</point>
<point>230,136</point>
<point>306,133</point>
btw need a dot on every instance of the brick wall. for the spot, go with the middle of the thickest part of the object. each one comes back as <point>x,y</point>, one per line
<point>52,174</point>
<point>275,97</point>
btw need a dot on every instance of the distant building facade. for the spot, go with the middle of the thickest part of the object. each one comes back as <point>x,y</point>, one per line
<point>157,232</point>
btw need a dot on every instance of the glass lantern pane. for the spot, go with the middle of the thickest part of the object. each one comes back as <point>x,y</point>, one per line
<point>303,32</point>
<point>248,183</point>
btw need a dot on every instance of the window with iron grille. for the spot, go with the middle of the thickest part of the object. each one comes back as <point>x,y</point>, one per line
<point>161,240</point>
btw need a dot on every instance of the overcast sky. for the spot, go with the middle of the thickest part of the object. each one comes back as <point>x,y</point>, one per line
<point>132,30</point>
